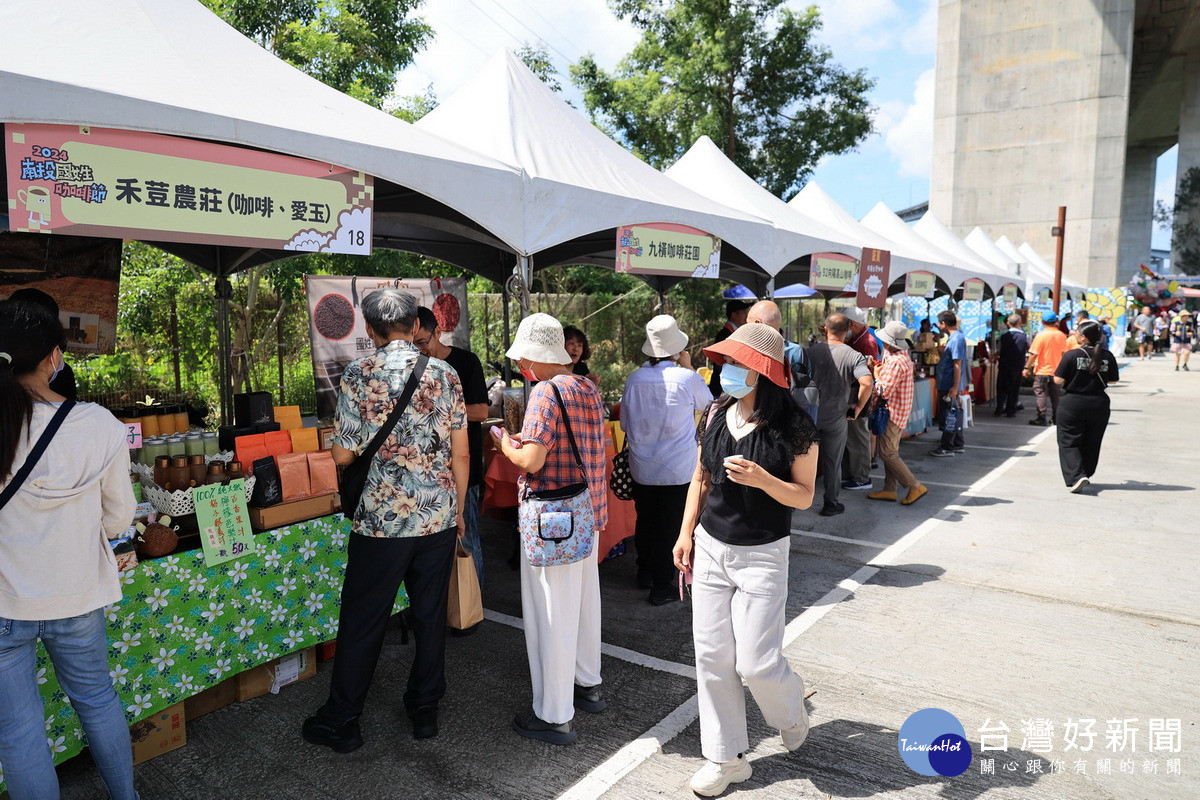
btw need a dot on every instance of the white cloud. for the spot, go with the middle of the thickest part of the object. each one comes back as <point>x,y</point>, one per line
<point>907,128</point>
<point>864,32</point>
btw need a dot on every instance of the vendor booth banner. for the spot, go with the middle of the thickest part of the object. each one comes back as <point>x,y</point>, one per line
<point>81,274</point>
<point>833,272</point>
<point>666,248</point>
<point>133,185</point>
<point>339,334</point>
<point>972,289</point>
<point>918,284</point>
<point>873,278</point>
<point>1008,292</point>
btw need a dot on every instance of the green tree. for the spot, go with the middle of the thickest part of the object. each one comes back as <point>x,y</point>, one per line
<point>356,46</point>
<point>746,73</point>
<point>538,61</point>
<point>1183,221</point>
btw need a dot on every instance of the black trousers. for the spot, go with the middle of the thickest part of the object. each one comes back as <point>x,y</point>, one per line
<point>1008,390</point>
<point>659,516</point>
<point>375,568</point>
<point>1082,419</point>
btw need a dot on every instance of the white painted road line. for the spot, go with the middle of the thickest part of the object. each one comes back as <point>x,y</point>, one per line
<point>844,539</point>
<point>628,758</point>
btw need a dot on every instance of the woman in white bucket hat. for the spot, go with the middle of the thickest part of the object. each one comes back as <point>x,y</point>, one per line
<point>658,415</point>
<point>564,655</point>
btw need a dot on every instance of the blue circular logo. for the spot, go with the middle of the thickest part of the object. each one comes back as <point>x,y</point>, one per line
<point>934,742</point>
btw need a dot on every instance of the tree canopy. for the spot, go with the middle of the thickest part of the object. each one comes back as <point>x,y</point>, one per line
<point>746,73</point>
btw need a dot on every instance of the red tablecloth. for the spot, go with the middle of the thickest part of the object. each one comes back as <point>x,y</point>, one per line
<point>500,491</point>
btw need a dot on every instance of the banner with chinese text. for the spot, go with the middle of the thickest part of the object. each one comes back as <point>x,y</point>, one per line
<point>133,185</point>
<point>1009,294</point>
<point>667,248</point>
<point>339,334</point>
<point>918,284</point>
<point>972,289</point>
<point>833,272</point>
<point>873,278</point>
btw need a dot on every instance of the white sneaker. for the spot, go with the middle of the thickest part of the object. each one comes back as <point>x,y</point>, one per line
<point>794,736</point>
<point>714,777</point>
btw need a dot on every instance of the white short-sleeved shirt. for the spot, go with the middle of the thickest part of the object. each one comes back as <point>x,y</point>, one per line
<point>658,414</point>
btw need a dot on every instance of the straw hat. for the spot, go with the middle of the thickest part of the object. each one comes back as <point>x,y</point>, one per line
<point>1185,313</point>
<point>663,337</point>
<point>539,338</point>
<point>895,334</point>
<point>759,347</point>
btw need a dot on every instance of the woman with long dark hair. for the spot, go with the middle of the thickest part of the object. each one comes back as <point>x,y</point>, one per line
<point>757,462</point>
<point>58,504</point>
<point>1084,374</point>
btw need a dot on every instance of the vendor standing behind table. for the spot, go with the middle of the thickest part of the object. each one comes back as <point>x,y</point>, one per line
<point>428,339</point>
<point>658,415</point>
<point>406,525</point>
<point>580,351</point>
<point>926,344</point>
<point>735,317</point>
<point>56,567</point>
<point>560,604</point>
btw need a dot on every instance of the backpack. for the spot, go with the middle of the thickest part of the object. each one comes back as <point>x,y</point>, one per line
<point>804,390</point>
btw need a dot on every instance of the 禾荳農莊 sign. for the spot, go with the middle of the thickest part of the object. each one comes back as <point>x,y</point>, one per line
<point>134,185</point>
<point>667,248</point>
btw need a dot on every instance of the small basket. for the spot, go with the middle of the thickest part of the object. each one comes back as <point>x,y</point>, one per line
<point>179,502</point>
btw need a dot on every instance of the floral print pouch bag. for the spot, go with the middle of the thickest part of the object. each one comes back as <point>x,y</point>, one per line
<point>558,526</point>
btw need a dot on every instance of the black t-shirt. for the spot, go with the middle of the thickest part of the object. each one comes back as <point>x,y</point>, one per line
<point>1073,369</point>
<point>580,368</point>
<point>742,515</point>
<point>470,372</point>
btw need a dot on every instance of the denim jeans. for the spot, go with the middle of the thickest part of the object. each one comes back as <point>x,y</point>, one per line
<point>470,540</point>
<point>79,649</point>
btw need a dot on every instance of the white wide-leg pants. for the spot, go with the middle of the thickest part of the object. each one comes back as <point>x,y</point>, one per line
<point>739,596</point>
<point>561,610</point>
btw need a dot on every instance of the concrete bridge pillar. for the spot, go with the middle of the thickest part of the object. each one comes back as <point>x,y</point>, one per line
<point>1189,146</point>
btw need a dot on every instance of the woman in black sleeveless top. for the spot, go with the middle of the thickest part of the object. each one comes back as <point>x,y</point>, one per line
<point>758,461</point>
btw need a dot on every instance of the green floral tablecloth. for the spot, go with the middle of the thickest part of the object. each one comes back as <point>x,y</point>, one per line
<point>183,627</point>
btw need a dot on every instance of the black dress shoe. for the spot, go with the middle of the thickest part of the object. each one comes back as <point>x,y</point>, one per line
<point>341,739</point>
<point>590,699</point>
<point>424,722</point>
<point>661,596</point>
<point>528,725</point>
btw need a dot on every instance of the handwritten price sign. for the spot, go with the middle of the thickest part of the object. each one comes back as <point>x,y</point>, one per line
<point>225,532</point>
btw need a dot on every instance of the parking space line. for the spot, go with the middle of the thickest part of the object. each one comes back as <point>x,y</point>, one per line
<point>628,758</point>
<point>843,539</point>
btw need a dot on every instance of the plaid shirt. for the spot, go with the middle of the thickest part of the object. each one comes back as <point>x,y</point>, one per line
<point>544,425</point>
<point>896,386</point>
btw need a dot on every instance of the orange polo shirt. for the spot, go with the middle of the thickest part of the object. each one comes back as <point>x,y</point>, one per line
<point>1048,346</point>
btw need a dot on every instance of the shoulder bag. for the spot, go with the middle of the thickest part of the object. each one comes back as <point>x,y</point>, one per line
<point>35,454</point>
<point>558,526</point>
<point>353,479</point>
<point>877,420</point>
<point>621,480</point>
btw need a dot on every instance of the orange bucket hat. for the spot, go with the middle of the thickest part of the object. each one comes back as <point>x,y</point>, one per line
<point>759,347</point>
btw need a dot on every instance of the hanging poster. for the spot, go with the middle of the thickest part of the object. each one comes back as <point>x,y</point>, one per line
<point>339,334</point>
<point>225,531</point>
<point>667,248</point>
<point>833,272</point>
<point>918,284</point>
<point>873,278</point>
<point>121,184</point>
<point>972,289</point>
<point>1009,293</point>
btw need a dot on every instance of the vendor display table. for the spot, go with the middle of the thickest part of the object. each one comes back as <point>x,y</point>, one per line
<point>500,491</point>
<point>183,626</point>
<point>923,407</point>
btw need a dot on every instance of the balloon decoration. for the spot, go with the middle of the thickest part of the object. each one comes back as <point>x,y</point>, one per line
<point>1151,289</point>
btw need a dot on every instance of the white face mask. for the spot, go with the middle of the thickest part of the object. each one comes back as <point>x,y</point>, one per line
<point>62,362</point>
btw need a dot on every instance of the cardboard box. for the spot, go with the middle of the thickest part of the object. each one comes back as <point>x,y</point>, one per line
<point>210,699</point>
<point>327,650</point>
<point>265,519</point>
<point>158,734</point>
<point>276,674</point>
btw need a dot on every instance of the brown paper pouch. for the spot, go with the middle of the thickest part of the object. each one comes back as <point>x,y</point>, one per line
<point>322,473</point>
<point>293,475</point>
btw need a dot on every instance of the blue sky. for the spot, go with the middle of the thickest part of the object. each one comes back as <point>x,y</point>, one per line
<point>894,40</point>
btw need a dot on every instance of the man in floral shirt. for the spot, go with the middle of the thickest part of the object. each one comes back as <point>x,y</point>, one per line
<point>406,524</point>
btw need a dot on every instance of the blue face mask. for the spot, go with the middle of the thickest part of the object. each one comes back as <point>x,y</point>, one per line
<point>733,381</point>
<point>62,362</point>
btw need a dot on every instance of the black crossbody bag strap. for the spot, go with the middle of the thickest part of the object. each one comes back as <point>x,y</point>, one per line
<point>410,387</point>
<point>35,454</point>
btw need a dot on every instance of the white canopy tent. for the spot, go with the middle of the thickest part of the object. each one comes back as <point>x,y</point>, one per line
<point>937,233</point>
<point>578,185</point>
<point>1040,267</point>
<point>173,67</point>
<point>883,221</point>
<point>707,171</point>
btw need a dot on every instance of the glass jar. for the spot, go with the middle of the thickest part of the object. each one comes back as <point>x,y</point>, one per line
<point>181,418</point>
<point>149,419</point>
<point>216,473</point>
<point>152,448</point>
<point>234,471</point>
<point>180,474</point>
<point>211,447</point>
<point>162,471</point>
<point>176,447</point>
<point>193,445</point>
<point>199,472</point>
